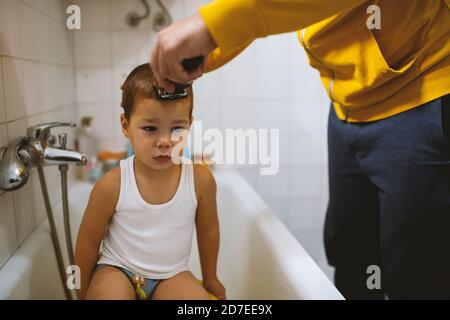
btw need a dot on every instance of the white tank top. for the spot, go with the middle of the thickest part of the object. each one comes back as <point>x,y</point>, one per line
<point>151,240</point>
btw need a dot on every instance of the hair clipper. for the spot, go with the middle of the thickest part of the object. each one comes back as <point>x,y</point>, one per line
<point>180,89</point>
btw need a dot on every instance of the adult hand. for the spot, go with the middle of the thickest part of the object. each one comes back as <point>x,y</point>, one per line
<point>185,39</point>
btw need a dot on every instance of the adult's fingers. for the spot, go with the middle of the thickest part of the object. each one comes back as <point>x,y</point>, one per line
<point>185,39</point>
<point>154,60</point>
<point>156,68</point>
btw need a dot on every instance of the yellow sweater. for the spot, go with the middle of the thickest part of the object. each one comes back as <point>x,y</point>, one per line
<point>369,74</point>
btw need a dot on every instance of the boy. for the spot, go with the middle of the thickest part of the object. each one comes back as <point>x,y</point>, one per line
<point>145,210</point>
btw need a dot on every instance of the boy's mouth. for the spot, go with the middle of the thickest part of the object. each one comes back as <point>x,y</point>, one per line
<point>163,158</point>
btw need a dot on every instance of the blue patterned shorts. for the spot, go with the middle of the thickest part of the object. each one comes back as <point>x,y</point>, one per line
<point>142,286</point>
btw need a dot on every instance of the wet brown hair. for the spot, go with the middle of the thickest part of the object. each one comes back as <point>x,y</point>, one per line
<point>140,82</point>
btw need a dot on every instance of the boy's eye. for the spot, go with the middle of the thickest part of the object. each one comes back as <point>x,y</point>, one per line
<point>149,128</point>
<point>177,128</point>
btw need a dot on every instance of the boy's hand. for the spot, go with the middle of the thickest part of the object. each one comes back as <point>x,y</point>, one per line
<point>215,287</point>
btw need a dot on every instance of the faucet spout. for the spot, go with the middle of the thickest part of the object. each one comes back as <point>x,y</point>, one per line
<point>56,156</point>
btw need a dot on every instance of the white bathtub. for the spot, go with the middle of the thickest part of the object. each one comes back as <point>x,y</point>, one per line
<point>259,258</point>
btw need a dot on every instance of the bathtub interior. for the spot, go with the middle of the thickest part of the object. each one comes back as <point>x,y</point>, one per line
<point>258,256</point>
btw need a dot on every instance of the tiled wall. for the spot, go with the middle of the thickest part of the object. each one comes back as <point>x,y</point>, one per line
<point>37,84</point>
<point>270,85</point>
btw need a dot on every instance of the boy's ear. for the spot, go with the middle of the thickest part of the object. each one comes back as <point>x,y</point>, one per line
<point>125,125</point>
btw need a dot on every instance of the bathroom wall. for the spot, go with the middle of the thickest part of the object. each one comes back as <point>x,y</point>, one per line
<point>270,85</point>
<point>37,84</point>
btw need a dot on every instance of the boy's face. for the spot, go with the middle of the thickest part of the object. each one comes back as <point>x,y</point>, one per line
<point>150,129</point>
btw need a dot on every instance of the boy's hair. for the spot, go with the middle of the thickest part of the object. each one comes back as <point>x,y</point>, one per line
<point>141,81</point>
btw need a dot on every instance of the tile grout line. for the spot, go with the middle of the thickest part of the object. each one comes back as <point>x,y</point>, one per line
<point>36,61</point>
<point>42,12</point>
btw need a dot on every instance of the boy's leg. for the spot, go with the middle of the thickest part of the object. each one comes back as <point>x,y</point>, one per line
<point>182,286</point>
<point>352,234</point>
<point>408,157</point>
<point>110,283</point>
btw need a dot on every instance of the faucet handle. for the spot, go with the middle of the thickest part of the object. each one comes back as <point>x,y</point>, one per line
<point>62,137</point>
<point>41,131</point>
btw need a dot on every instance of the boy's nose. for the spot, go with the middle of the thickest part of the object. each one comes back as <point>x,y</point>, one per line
<point>164,141</point>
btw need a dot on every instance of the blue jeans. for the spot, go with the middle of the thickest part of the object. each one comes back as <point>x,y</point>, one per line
<point>389,204</point>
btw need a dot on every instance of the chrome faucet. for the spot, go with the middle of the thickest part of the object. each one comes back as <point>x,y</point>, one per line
<point>34,150</point>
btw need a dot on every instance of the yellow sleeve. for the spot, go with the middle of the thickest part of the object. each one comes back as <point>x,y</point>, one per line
<point>236,23</point>
<point>217,58</point>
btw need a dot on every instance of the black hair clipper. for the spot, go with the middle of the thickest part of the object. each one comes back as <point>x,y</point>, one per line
<point>180,91</point>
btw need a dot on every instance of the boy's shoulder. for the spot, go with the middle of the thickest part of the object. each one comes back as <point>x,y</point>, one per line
<point>203,179</point>
<point>108,186</point>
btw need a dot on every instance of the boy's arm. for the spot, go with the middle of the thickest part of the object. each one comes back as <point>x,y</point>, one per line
<point>207,222</point>
<point>101,207</point>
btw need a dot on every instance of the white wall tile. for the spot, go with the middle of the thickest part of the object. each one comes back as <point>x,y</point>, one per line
<point>305,182</point>
<point>69,89</point>
<point>207,111</point>
<point>120,73</point>
<point>55,41</point>
<point>285,146</point>
<point>54,9</point>
<point>296,52</point>
<point>43,33</point>
<point>273,50</point>
<point>191,6</point>
<point>273,187</point>
<point>8,240</point>
<point>95,15</point>
<point>67,93</point>
<point>238,113</point>
<point>272,113</point>
<point>272,81</point>
<point>131,47</point>
<point>67,51</point>
<point>207,87</point>
<point>9,28</point>
<point>31,80</point>
<point>306,116</point>
<point>306,214</point>
<point>29,40</point>
<point>238,82</point>
<point>93,48</point>
<point>305,83</point>
<point>2,97</point>
<point>3,136</point>
<point>46,82</point>
<point>14,88</point>
<point>176,9</point>
<point>103,119</point>
<point>90,78</point>
<point>306,149</point>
